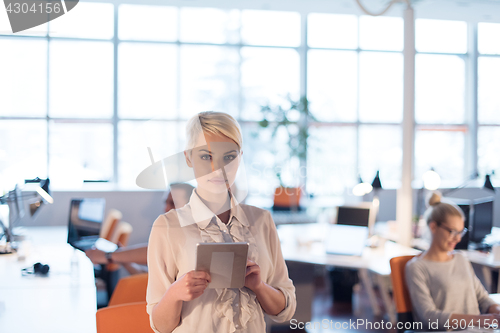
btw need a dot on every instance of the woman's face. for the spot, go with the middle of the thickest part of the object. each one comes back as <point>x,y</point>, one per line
<point>447,234</point>
<point>215,160</point>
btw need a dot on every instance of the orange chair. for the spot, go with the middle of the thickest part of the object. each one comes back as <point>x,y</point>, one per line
<point>287,198</point>
<point>110,223</point>
<point>400,291</point>
<point>120,236</point>
<point>130,289</point>
<point>123,318</point>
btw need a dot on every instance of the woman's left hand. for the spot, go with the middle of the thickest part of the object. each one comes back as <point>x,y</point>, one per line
<point>252,277</point>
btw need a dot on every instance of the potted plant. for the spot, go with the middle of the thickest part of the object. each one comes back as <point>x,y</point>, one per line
<point>292,119</point>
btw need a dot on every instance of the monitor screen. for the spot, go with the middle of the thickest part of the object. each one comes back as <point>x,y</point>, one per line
<point>482,221</point>
<point>357,216</point>
<point>85,217</point>
<point>464,242</point>
<point>346,240</point>
<point>91,210</point>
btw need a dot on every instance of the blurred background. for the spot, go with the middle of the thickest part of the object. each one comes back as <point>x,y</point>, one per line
<point>82,97</point>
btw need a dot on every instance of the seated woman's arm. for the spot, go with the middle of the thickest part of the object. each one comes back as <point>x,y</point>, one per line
<point>136,253</point>
<point>128,254</point>
<point>425,308</point>
<point>486,304</point>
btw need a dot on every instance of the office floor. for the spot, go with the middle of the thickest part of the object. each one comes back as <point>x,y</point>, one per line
<point>340,313</point>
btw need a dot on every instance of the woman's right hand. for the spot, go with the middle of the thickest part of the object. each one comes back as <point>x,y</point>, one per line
<point>190,286</point>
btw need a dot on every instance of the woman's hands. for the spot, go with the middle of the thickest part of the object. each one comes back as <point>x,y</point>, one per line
<point>270,299</point>
<point>252,277</point>
<point>190,286</point>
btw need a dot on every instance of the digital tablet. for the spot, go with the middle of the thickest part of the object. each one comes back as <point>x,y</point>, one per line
<point>226,263</point>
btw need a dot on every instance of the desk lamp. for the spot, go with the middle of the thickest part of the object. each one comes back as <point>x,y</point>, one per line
<point>361,188</point>
<point>15,200</point>
<point>377,186</point>
<point>487,183</point>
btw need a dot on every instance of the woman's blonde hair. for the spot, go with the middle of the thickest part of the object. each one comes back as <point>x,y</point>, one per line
<point>438,210</point>
<point>218,123</point>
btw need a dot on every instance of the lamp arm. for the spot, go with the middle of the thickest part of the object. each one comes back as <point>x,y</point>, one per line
<point>6,198</point>
<point>6,232</point>
<point>451,190</point>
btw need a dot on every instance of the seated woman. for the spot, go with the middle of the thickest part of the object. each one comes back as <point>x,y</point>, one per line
<point>177,296</point>
<point>443,287</point>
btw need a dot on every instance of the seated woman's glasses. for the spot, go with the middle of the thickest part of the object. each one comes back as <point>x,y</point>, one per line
<point>454,233</point>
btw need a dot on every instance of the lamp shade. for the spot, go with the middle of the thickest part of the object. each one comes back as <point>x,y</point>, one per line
<point>376,184</point>
<point>487,184</point>
<point>361,188</point>
<point>431,179</point>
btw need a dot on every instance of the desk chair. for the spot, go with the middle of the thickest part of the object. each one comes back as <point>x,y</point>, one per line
<point>118,232</point>
<point>110,223</point>
<point>287,199</point>
<point>130,289</point>
<point>120,236</point>
<point>123,318</point>
<point>400,291</point>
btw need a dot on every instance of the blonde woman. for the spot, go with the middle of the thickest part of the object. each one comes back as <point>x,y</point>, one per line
<point>177,298</point>
<point>444,290</point>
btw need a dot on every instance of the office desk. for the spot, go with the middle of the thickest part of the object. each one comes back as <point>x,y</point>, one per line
<point>305,244</point>
<point>285,217</point>
<point>488,265</point>
<point>63,301</point>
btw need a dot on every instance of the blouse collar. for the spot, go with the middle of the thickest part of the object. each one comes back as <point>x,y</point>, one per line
<point>202,215</point>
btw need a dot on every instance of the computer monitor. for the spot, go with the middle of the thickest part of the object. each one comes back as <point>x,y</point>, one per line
<point>478,219</point>
<point>482,220</point>
<point>464,242</point>
<point>85,217</point>
<point>361,214</point>
<point>346,239</point>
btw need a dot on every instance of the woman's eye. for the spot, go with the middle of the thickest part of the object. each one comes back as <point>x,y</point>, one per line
<point>205,157</point>
<point>230,157</point>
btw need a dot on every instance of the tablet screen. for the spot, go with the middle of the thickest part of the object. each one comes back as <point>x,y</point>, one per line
<point>226,263</point>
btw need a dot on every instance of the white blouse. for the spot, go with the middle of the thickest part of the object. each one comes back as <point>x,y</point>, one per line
<point>171,253</point>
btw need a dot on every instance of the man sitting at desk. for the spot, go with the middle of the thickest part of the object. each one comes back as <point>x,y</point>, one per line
<point>134,258</point>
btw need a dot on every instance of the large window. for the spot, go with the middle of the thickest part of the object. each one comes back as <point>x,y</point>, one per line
<point>440,100</point>
<point>355,89</point>
<point>488,99</point>
<point>80,101</point>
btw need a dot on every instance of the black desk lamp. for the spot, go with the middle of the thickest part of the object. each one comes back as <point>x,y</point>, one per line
<point>377,184</point>
<point>487,183</point>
